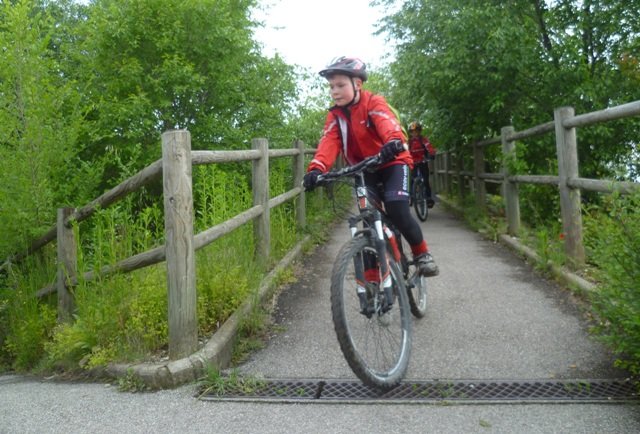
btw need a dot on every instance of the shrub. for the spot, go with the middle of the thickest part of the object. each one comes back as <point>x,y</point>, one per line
<point>29,326</point>
<point>614,246</point>
<point>25,322</point>
<point>123,318</point>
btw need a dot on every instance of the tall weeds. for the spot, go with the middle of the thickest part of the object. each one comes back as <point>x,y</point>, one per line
<point>124,317</point>
<point>613,241</point>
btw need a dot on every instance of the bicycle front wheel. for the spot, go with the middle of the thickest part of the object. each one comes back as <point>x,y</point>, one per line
<point>420,200</point>
<point>375,338</point>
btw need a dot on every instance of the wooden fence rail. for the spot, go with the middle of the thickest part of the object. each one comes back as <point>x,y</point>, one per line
<point>568,181</point>
<point>181,243</point>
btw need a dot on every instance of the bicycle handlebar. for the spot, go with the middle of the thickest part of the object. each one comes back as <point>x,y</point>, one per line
<point>326,178</point>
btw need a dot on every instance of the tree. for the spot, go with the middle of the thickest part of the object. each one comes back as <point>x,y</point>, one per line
<point>165,64</point>
<point>39,124</point>
<point>86,90</point>
<point>468,68</point>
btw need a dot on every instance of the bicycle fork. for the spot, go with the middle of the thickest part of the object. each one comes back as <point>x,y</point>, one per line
<point>371,271</point>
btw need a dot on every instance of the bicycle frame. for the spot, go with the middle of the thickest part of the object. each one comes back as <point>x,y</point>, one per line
<point>371,218</point>
<point>418,177</point>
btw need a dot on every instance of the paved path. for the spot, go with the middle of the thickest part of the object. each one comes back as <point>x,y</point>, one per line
<point>491,317</point>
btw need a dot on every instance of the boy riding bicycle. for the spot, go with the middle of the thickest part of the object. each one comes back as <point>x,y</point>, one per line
<point>421,151</point>
<point>360,125</point>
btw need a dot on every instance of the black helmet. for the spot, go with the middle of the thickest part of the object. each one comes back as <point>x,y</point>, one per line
<point>351,66</point>
<point>415,126</point>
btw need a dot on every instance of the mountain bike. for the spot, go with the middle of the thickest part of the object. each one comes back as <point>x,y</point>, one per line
<point>374,287</point>
<point>419,193</point>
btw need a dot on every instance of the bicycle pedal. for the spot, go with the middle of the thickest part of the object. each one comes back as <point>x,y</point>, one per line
<point>386,308</point>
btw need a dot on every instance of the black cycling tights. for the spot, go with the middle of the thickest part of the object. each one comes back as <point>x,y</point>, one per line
<point>400,214</point>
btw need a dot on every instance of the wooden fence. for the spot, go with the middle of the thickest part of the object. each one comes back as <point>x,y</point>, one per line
<point>449,169</point>
<point>175,168</point>
<point>181,243</point>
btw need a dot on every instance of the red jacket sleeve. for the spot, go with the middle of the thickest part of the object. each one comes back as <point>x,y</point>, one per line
<point>430,148</point>
<point>328,147</point>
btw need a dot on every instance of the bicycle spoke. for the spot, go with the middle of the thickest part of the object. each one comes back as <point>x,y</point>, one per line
<point>376,345</point>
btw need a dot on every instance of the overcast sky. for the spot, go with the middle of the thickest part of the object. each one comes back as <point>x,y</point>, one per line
<point>312,32</point>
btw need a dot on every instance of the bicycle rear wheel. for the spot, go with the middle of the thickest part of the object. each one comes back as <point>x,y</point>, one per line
<point>415,284</point>
<point>377,343</point>
<point>420,200</point>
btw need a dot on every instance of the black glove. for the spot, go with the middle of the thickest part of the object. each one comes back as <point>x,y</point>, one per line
<point>310,180</point>
<point>390,150</point>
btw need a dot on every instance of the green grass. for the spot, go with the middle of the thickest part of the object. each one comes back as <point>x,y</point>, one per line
<point>123,318</point>
<point>213,382</point>
<point>613,245</point>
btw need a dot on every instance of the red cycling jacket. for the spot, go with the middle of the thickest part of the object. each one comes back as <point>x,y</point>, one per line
<point>358,132</point>
<point>418,146</point>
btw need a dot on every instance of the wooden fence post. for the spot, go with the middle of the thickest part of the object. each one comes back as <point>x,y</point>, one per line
<point>431,166</point>
<point>478,169</point>
<point>447,177</point>
<point>67,266</point>
<point>460,175</point>
<point>260,181</point>
<point>179,247</point>
<point>567,149</point>
<point>298,175</point>
<point>510,189</point>
<point>435,186</point>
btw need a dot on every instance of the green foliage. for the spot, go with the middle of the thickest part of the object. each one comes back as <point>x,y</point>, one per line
<point>28,324</point>
<point>215,383</point>
<point>220,193</point>
<point>549,245</point>
<point>112,321</point>
<point>225,269</point>
<point>539,205</point>
<point>39,125</point>
<point>284,216</point>
<point>456,55</point>
<point>473,215</point>
<point>123,317</point>
<point>225,275</point>
<point>165,64</point>
<point>489,222</point>
<point>469,68</point>
<point>25,323</point>
<point>120,319</point>
<point>131,383</point>
<point>310,112</point>
<point>614,246</point>
<point>252,332</point>
<point>85,91</point>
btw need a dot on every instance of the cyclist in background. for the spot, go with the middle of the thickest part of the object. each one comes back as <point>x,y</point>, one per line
<point>361,125</point>
<point>421,151</point>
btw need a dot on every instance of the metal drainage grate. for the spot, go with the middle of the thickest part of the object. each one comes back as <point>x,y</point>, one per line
<point>427,391</point>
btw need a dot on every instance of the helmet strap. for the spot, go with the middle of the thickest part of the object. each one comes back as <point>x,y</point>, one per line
<point>356,92</point>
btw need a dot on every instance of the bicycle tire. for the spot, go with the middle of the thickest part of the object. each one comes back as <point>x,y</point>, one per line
<point>420,200</point>
<point>377,348</point>
<point>416,285</point>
